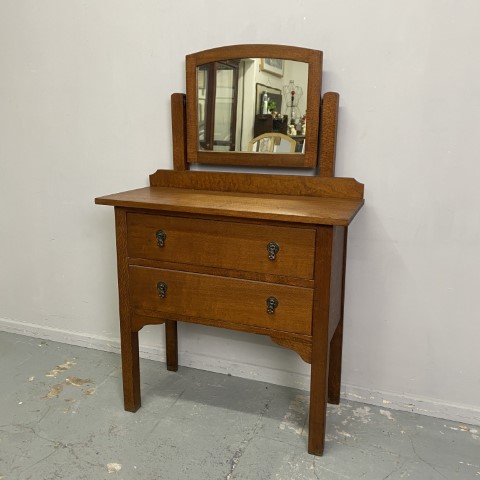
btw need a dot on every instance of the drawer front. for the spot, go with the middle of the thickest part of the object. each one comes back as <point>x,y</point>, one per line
<point>221,298</point>
<point>228,245</point>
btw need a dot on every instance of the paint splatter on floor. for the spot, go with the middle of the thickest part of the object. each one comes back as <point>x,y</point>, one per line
<point>363,414</point>
<point>294,419</point>
<point>113,467</point>
<point>77,382</point>
<point>388,414</point>
<point>54,392</point>
<point>60,368</point>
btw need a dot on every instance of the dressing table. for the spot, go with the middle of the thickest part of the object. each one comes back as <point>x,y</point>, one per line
<point>263,253</point>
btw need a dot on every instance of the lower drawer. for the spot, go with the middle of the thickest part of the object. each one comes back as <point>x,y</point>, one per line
<point>220,298</point>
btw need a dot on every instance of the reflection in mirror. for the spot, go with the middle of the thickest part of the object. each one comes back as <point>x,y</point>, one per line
<point>273,142</point>
<point>241,99</point>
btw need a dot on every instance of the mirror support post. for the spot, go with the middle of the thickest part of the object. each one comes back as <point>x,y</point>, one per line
<point>179,131</point>
<point>328,134</point>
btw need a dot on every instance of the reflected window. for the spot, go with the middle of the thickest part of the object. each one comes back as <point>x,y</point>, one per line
<point>217,105</point>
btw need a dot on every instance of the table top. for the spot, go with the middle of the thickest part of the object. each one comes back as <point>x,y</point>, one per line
<point>284,208</point>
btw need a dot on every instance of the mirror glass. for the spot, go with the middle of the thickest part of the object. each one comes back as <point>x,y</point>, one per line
<point>255,105</point>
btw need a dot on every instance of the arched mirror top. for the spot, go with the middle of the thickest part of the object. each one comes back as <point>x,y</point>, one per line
<point>237,95</point>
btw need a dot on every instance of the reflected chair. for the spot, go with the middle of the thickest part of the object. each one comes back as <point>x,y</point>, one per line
<point>272,142</point>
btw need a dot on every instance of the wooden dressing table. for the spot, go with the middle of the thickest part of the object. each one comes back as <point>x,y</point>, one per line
<point>259,253</point>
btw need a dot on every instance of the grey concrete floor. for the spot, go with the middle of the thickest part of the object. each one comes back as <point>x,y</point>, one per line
<point>62,417</point>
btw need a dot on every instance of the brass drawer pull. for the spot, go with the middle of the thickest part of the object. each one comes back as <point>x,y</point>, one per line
<point>162,288</point>
<point>272,249</point>
<point>161,237</point>
<point>272,304</point>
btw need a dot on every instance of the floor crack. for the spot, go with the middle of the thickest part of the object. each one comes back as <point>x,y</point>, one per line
<point>423,460</point>
<point>396,469</point>
<point>315,466</point>
<point>246,441</point>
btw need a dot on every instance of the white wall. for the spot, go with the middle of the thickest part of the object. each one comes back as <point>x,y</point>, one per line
<point>84,111</point>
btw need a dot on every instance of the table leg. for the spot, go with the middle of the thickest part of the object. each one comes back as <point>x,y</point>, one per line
<point>130,371</point>
<point>336,343</point>
<point>128,338</point>
<point>171,345</point>
<point>335,365</point>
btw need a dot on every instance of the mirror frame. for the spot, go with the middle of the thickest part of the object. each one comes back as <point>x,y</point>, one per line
<point>306,160</point>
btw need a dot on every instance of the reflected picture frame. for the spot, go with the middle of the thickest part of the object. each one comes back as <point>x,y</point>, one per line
<point>273,93</point>
<point>272,65</point>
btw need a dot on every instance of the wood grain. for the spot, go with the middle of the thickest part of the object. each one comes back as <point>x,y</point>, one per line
<point>217,298</point>
<point>179,131</point>
<point>262,184</point>
<point>335,365</point>
<point>336,340</point>
<point>303,348</point>
<point>328,134</point>
<point>336,279</point>
<point>305,210</point>
<point>148,317</point>
<point>223,272</point>
<point>227,245</point>
<point>320,343</point>
<point>128,337</point>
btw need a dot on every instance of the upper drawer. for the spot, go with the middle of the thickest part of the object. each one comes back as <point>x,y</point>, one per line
<point>220,244</point>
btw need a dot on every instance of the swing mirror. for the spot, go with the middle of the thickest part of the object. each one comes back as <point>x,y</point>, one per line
<point>254,105</point>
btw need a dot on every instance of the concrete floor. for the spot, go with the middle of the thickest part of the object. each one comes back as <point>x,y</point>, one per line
<point>62,417</point>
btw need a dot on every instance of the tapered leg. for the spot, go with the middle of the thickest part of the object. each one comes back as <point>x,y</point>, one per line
<point>130,371</point>
<point>320,343</point>
<point>335,365</point>
<point>318,400</point>
<point>128,338</point>
<point>172,345</point>
<point>327,316</point>
<point>336,343</point>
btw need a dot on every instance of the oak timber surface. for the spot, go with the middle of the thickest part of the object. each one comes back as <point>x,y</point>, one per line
<point>304,209</point>
<point>233,300</point>
<point>297,185</point>
<point>222,244</point>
